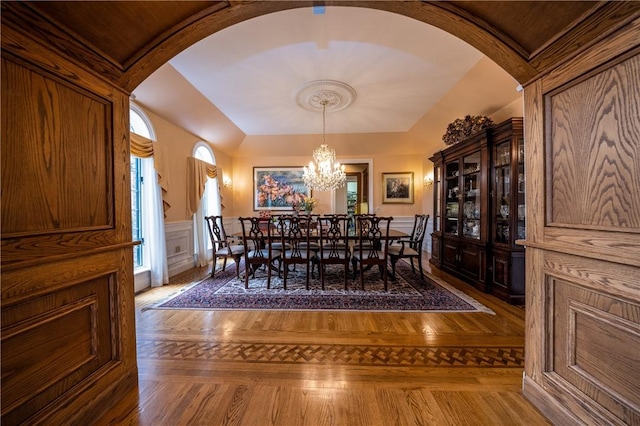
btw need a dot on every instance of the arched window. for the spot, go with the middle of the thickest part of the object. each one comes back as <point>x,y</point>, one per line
<point>211,198</point>
<point>140,125</point>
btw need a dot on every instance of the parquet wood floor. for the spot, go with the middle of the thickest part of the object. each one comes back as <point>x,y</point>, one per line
<point>326,368</point>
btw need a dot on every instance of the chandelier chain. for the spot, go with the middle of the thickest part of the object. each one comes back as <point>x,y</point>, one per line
<point>324,118</point>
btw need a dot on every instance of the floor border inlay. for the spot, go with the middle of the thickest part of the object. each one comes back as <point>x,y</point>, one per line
<point>423,356</point>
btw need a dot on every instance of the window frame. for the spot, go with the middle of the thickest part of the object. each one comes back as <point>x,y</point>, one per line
<point>140,254</point>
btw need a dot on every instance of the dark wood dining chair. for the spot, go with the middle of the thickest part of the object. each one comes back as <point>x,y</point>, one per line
<point>410,248</point>
<point>371,246</point>
<point>223,246</point>
<point>295,236</point>
<point>334,245</point>
<point>257,239</point>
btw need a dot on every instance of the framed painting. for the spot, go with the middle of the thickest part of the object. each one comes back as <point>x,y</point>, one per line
<point>278,188</point>
<point>397,188</point>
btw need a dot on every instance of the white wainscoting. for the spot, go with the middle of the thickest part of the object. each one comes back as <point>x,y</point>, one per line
<point>141,279</point>
<point>232,225</point>
<point>426,245</point>
<point>180,246</point>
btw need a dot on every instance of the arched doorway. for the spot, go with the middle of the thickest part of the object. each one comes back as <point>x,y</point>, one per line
<point>102,94</point>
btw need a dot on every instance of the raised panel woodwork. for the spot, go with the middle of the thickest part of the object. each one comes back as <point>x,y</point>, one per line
<point>595,347</point>
<point>53,342</point>
<point>501,273</point>
<point>594,146</point>
<point>435,248</point>
<point>583,248</point>
<point>450,253</point>
<point>67,306</point>
<point>507,280</point>
<point>57,155</point>
<point>471,261</point>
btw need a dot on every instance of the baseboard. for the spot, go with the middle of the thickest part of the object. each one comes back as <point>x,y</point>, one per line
<point>82,406</point>
<point>182,265</point>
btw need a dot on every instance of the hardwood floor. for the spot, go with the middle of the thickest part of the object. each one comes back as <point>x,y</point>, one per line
<point>326,368</point>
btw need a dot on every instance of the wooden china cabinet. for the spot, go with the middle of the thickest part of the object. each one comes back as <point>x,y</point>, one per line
<point>460,229</point>
<point>479,210</point>
<point>507,211</point>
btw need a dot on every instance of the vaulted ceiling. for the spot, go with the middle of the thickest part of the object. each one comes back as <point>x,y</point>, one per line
<point>522,36</point>
<point>249,58</point>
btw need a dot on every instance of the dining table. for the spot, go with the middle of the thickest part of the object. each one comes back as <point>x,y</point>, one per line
<point>394,234</point>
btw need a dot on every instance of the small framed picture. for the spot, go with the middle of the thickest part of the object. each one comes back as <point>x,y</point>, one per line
<point>397,188</point>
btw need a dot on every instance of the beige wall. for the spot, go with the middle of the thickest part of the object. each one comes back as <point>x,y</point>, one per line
<point>486,89</point>
<point>243,182</point>
<point>175,145</point>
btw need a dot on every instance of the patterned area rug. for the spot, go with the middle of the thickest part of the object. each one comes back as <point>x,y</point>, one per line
<point>406,293</point>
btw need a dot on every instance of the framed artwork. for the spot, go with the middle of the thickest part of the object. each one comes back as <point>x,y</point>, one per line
<point>278,188</point>
<point>397,188</point>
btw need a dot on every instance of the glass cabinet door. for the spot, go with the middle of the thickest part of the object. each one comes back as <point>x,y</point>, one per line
<point>471,196</point>
<point>437,199</point>
<point>521,233</point>
<point>452,201</point>
<point>502,185</point>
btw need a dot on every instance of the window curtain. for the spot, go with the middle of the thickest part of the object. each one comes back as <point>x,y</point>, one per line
<point>143,148</point>
<point>198,174</point>
<point>154,221</point>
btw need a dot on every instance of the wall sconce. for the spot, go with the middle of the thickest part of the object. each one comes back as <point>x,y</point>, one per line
<point>226,181</point>
<point>428,181</point>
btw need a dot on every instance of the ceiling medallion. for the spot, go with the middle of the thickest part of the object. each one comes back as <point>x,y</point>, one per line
<point>325,95</point>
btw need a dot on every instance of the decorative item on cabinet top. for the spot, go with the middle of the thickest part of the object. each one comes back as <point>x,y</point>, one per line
<point>462,128</point>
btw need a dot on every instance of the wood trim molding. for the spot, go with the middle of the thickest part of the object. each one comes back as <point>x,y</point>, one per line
<point>502,50</point>
<point>617,247</point>
<point>596,26</point>
<point>550,407</point>
<point>6,267</point>
<point>619,43</point>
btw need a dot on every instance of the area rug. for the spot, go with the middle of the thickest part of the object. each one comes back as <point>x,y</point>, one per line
<point>407,293</point>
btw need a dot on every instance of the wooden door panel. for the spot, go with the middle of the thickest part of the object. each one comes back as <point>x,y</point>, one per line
<point>501,273</point>
<point>592,182</point>
<point>53,342</point>
<point>470,261</point>
<point>61,177</point>
<point>595,344</point>
<point>583,245</point>
<point>450,254</point>
<point>435,249</point>
<point>67,305</point>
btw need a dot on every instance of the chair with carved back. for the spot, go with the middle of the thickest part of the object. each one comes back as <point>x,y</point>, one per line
<point>410,248</point>
<point>334,245</point>
<point>314,245</point>
<point>257,239</point>
<point>295,236</point>
<point>223,246</point>
<point>371,246</point>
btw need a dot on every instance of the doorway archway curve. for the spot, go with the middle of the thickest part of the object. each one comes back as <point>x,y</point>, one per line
<point>503,51</point>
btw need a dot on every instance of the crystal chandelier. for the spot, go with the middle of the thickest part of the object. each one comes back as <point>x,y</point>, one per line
<point>323,173</point>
